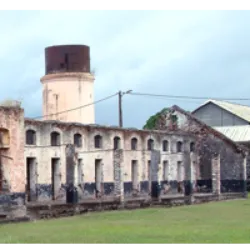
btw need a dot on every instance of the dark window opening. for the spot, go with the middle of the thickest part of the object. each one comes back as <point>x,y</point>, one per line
<point>30,137</point>
<point>31,178</point>
<point>174,119</point>
<point>134,143</point>
<point>78,140</point>
<point>98,141</point>
<point>117,143</point>
<point>165,145</point>
<point>192,147</point>
<point>55,139</point>
<point>150,144</point>
<point>179,146</point>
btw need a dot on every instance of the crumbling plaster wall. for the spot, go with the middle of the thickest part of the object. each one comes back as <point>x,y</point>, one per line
<point>12,160</point>
<point>88,153</point>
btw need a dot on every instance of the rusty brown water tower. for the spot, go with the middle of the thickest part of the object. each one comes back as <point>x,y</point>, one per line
<point>68,84</point>
<point>67,58</point>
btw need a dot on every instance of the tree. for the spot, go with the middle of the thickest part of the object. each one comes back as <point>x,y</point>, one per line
<point>151,122</point>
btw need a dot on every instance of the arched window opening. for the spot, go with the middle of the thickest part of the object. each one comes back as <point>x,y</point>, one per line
<point>134,142</point>
<point>179,146</point>
<point>98,141</point>
<point>78,140</point>
<point>55,139</point>
<point>165,146</point>
<point>30,137</point>
<point>117,143</point>
<point>150,144</point>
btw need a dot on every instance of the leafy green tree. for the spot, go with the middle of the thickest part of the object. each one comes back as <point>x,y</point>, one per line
<point>151,122</point>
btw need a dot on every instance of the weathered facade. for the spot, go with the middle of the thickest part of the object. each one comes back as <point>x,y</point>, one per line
<point>96,154</point>
<point>110,162</point>
<point>212,149</point>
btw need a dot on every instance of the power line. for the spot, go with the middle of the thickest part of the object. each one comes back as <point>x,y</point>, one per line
<point>170,99</point>
<point>188,97</point>
<point>83,106</point>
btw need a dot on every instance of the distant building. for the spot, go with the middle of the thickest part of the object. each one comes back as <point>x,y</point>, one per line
<point>220,114</point>
<point>230,119</point>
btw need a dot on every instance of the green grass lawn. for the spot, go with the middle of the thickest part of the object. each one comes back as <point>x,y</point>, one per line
<point>219,222</point>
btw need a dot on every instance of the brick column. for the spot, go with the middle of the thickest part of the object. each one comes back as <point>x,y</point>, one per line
<point>118,156</point>
<point>244,175</point>
<point>216,182</point>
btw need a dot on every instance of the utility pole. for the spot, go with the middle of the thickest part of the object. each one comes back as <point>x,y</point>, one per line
<point>120,109</point>
<point>120,95</point>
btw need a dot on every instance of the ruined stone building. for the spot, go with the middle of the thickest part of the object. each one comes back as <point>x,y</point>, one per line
<point>210,145</point>
<point>230,119</point>
<point>39,158</point>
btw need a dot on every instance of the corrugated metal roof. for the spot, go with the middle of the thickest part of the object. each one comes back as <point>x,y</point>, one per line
<point>235,133</point>
<point>239,110</point>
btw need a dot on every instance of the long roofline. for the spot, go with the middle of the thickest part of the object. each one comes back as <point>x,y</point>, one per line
<point>97,126</point>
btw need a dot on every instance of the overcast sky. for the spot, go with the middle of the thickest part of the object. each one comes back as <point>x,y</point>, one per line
<point>194,53</point>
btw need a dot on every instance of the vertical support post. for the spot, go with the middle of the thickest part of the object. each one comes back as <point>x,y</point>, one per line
<point>70,165</point>
<point>244,169</point>
<point>118,174</point>
<point>188,184</point>
<point>154,173</point>
<point>216,181</point>
<point>120,109</point>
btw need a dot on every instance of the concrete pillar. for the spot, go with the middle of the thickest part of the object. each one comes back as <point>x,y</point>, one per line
<point>70,165</point>
<point>154,173</point>
<point>216,182</point>
<point>244,176</point>
<point>118,156</point>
